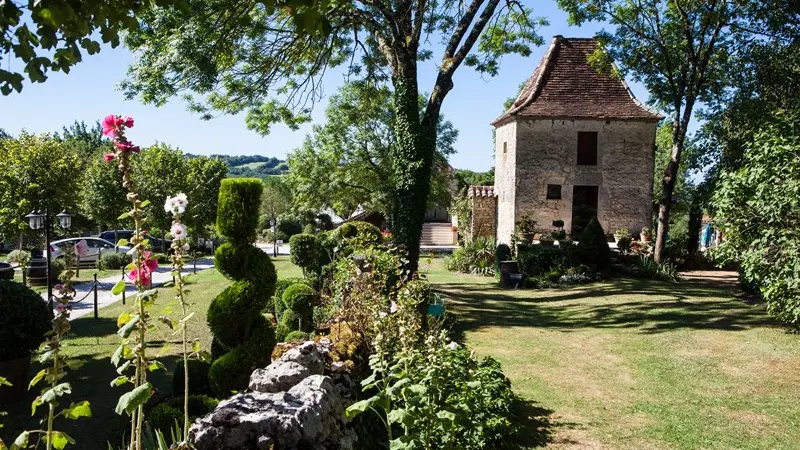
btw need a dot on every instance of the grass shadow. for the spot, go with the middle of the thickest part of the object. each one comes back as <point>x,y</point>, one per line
<point>535,425</point>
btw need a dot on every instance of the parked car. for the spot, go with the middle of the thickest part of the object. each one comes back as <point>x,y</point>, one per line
<point>96,246</point>
<point>158,245</point>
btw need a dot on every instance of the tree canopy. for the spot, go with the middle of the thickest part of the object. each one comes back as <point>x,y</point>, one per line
<point>352,153</point>
<point>231,57</point>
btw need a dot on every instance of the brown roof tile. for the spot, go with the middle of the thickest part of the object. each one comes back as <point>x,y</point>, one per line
<point>564,85</point>
<point>481,191</point>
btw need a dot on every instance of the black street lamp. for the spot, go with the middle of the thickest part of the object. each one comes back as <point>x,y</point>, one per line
<point>37,220</point>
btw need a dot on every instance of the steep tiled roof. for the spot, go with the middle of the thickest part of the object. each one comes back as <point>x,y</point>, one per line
<point>564,85</point>
<point>481,191</point>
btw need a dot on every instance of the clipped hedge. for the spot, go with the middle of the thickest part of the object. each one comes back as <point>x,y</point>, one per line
<point>537,260</point>
<point>275,305</point>
<point>308,253</point>
<point>299,312</point>
<point>198,378</point>
<point>243,338</point>
<point>24,320</point>
<point>114,261</point>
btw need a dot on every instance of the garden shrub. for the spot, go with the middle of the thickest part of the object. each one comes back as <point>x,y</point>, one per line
<point>624,244</point>
<point>448,398</point>
<point>309,229</point>
<point>198,378</point>
<point>501,253</point>
<point>308,253</point>
<point>297,336</point>
<point>574,279</point>
<point>475,257</point>
<point>646,267</point>
<point>24,320</point>
<point>234,316</point>
<point>288,227</point>
<point>20,257</point>
<point>536,260</point>
<point>169,411</point>
<point>275,305</point>
<point>593,249</point>
<point>298,313</point>
<point>114,261</point>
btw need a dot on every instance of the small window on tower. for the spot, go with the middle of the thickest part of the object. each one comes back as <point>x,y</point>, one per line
<point>505,147</point>
<point>587,148</point>
<point>554,192</point>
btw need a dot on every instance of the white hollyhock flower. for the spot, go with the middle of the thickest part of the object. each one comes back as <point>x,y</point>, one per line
<point>452,346</point>
<point>178,231</point>
<point>177,204</point>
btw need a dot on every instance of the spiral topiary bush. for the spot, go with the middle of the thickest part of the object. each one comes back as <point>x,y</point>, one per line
<point>243,338</point>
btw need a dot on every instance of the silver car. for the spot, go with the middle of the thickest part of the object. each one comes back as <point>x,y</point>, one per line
<point>96,247</point>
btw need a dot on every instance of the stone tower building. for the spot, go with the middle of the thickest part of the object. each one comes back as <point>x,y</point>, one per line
<point>574,145</point>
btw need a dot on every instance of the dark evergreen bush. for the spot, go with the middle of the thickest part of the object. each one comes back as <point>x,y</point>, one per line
<point>593,247</point>
<point>169,412</point>
<point>198,378</point>
<point>234,316</point>
<point>537,260</point>
<point>24,320</point>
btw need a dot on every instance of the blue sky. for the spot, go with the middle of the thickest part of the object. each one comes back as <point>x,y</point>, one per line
<point>89,92</point>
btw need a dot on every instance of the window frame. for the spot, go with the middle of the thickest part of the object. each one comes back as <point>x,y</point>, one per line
<point>583,157</point>
<point>560,192</point>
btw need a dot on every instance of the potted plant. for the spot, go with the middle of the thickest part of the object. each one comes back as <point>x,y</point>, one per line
<point>24,321</point>
<point>558,235</point>
<point>645,234</point>
<point>546,239</point>
<point>558,223</point>
<point>526,228</point>
<point>621,233</point>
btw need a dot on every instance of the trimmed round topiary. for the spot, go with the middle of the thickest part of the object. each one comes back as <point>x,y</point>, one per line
<point>243,338</point>
<point>593,247</point>
<point>276,303</point>
<point>198,378</point>
<point>24,320</point>
<point>237,208</point>
<point>308,253</point>
<point>299,313</point>
<point>297,336</point>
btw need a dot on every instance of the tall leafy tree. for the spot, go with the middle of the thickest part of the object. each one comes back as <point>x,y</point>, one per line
<point>276,199</point>
<point>352,153</point>
<point>103,197</point>
<point>757,206</point>
<point>679,49</point>
<point>230,56</point>
<point>36,172</point>
<point>204,178</point>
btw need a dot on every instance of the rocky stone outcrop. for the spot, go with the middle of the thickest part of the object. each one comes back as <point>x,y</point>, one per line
<point>293,406</point>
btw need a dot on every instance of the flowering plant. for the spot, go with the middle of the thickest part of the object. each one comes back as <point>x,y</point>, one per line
<point>134,324</point>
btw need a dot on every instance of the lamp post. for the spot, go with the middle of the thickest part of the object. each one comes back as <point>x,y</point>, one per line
<point>37,220</point>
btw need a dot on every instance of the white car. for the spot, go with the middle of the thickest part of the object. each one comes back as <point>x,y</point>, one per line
<point>96,247</point>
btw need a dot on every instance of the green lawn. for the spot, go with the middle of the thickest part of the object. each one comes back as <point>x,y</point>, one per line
<point>94,342</point>
<point>636,364</point>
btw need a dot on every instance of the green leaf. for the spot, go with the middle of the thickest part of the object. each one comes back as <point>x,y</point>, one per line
<point>156,365</point>
<point>447,415</point>
<point>117,356</point>
<point>37,402</point>
<point>59,440</point>
<point>144,204</point>
<point>124,215</point>
<point>119,381</point>
<point>126,330</point>
<point>163,350</point>
<point>129,401</point>
<point>118,288</point>
<point>78,410</point>
<point>359,407</point>
<point>398,416</point>
<point>50,395</point>
<point>4,382</point>
<point>37,378</point>
<point>122,243</point>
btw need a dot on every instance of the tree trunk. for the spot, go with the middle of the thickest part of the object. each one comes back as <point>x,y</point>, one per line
<point>668,187</point>
<point>412,157</point>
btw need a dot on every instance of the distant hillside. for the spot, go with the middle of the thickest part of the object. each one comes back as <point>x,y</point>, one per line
<point>253,165</point>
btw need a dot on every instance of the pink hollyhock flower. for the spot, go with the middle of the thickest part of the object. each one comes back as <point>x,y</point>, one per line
<point>150,265</point>
<point>135,275</point>
<point>59,287</point>
<point>128,121</point>
<point>61,307</point>
<point>110,126</point>
<point>82,248</point>
<point>127,147</point>
<point>109,157</point>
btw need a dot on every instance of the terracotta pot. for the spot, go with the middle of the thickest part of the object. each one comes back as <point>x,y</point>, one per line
<point>16,372</point>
